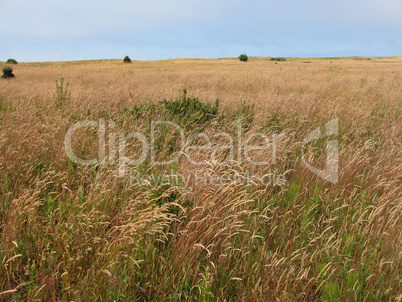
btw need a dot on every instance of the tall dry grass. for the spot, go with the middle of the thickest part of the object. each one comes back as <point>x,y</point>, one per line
<point>76,233</point>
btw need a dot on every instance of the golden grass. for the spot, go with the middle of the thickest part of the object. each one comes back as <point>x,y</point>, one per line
<point>70,232</point>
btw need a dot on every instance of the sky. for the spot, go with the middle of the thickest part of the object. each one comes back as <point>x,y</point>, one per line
<point>52,30</point>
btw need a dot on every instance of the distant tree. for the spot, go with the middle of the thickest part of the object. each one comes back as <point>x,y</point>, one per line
<point>127,59</point>
<point>11,61</point>
<point>7,73</point>
<point>243,57</point>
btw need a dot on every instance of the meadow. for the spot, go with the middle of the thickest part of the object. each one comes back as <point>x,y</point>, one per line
<point>127,229</point>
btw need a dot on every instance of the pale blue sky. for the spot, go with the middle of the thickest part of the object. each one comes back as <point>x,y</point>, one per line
<point>51,30</point>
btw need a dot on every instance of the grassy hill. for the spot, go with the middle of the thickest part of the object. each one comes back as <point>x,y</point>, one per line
<point>241,216</point>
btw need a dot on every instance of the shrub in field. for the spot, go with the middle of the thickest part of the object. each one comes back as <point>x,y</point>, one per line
<point>191,110</point>
<point>127,59</point>
<point>243,57</point>
<point>7,73</point>
<point>11,61</point>
<point>62,92</point>
<point>277,59</point>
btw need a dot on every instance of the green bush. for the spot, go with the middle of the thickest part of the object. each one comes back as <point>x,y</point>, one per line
<point>62,93</point>
<point>243,57</point>
<point>127,59</point>
<point>190,110</point>
<point>11,61</point>
<point>7,73</point>
<point>277,59</point>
